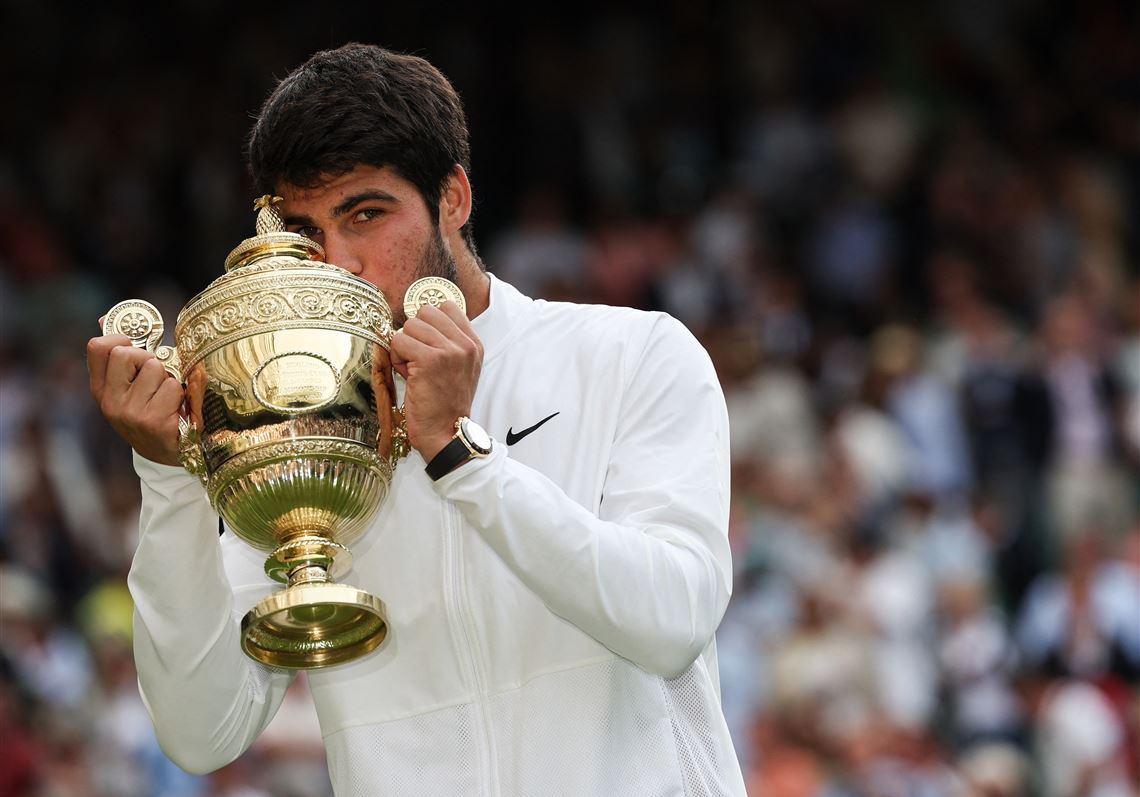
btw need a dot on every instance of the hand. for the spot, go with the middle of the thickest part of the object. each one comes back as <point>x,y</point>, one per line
<point>137,396</point>
<point>440,356</point>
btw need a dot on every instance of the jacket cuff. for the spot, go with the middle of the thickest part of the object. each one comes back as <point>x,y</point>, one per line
<point>166,480</point>
<point>446,485</point>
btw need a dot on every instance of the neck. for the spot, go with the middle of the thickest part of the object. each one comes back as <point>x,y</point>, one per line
<point>473,281</point>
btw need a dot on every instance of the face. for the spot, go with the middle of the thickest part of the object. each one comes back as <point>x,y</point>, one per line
<point>375,224</point>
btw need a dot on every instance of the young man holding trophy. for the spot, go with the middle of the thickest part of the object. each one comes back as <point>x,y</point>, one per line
<point>505,577</point>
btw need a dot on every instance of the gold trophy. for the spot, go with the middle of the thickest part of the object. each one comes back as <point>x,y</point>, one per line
<point>291,425</point>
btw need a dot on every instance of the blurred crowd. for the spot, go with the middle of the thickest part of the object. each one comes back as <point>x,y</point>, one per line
<point>908,235</point>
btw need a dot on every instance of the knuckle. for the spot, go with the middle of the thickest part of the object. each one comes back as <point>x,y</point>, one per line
<point>109,408</point>
<point>120,355</point>
<point>173,390</point>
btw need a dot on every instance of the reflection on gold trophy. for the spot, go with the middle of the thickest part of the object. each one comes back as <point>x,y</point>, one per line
<point>292,427</point>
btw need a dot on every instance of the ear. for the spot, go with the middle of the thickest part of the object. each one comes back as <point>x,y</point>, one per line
<point>455,201</point>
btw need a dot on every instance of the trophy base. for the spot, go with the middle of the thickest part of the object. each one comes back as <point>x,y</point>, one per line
<point>314,625</point>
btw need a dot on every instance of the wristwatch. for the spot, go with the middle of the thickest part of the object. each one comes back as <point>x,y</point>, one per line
<point>470,442</point>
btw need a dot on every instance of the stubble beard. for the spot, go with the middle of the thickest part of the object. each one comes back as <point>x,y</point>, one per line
<point>436,261</point>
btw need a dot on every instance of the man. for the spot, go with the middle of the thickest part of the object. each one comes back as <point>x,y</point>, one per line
<point>551,605</point>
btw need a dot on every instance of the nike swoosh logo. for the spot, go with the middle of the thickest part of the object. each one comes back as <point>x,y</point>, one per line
<point>513,438</point>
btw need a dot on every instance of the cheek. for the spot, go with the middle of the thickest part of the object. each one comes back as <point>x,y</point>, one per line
<point>391,264</point>
<point>397,253</point>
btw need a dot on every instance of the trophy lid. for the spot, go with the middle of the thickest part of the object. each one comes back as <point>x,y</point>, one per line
<point>272,239</point>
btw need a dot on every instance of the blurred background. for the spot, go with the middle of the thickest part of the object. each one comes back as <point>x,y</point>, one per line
<point>908,233</point>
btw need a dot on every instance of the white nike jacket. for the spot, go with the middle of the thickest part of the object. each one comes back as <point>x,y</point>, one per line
<point>551,608</point>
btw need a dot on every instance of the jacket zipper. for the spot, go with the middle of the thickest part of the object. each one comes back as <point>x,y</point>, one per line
<point>462,608</point>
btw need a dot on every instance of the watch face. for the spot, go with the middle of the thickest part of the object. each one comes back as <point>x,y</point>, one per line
<point>476,436</point>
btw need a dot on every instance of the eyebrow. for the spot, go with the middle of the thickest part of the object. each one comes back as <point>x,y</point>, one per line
<point>373,195</point>
<point>352,201</point>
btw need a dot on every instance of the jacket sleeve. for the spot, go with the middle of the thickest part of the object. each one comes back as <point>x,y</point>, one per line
<point>650,575</point>
<point>207,699</point>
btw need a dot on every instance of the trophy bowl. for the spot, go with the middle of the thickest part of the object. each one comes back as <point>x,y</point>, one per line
<point>292,427</point>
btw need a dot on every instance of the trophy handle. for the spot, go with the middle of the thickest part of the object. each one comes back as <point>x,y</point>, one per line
<point>190,449</point>
<point>142,323</point>
<point>400,444</point>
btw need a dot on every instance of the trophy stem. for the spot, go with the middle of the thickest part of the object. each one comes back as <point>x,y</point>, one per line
<point>308,574</point>
<point>308,557</point>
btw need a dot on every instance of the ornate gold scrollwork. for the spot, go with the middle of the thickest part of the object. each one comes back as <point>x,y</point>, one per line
<point>142,323</point>
<point>190,449</point>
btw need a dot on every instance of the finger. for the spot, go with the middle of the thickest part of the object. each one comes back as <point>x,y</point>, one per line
<point>452,321</point>
<point>407,348</point>
<point>393,354</point>
<point>431,330</point>
<point>399,364</point>
<point>457,316</point>
<point>167,400</point>
<point>123,366</point>
<point>98,351</point>
<point>146,383</point>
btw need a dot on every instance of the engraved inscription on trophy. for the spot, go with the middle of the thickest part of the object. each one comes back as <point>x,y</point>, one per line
<point>296,382</point>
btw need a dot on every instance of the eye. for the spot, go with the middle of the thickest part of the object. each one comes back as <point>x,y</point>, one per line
<point>366,215</point>
<point>308,231</point>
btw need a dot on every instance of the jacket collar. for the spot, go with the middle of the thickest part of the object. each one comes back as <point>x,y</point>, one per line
<point>496,325</point>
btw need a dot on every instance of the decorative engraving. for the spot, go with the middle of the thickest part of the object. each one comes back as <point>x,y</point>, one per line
<point>135,325</point>
<point>219,443</point>
<point>190,449</point>
<point>359,634</point>
<point>400,443</point>
<point>311,303</point>
<point>273,245</point>
<point>278,301</point>
<point>138,320</point>
<point>274,263</point>
<point>167,355</point>
<point>308,552</point>
<point>311,447</point>
<point>434,291</point>
<point>269,307</point>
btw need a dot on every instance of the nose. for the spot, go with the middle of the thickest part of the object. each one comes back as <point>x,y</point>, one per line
<point>340,254</point>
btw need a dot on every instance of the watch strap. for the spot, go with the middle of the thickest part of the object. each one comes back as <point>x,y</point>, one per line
<point>446,460</point>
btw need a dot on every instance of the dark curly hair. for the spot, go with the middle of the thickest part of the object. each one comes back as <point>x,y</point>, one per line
<point>361,105</point>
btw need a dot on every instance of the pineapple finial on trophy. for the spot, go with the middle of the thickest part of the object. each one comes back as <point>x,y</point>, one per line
<point>272,239</point>
<point>268,219</point>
